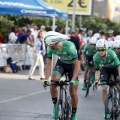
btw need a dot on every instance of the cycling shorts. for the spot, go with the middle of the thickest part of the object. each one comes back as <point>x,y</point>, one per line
<point>105,74</point>
<point>62,68</point>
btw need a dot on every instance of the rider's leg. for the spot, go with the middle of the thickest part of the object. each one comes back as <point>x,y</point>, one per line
<point>74,97</point>
<point>85,78</point>
<point>104,93</point>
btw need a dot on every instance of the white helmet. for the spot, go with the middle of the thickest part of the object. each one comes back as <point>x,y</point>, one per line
<point>93,40</point>
<point>97,35</point>
<point>102,43</point>
<point>116,44</point>
<point>110,44</point>
<point>117,37</point>
<point>52,38</point>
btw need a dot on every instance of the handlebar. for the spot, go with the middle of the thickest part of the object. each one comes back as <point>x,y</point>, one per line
<point>56,83</point>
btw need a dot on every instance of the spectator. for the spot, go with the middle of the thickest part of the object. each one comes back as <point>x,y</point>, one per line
<point>43,30</point>
<point>37,58</point>
<point>19,31</point>
<point>12,36</point>
<point>1,38</point>
<point>22,38</point>
<point>34,32</point>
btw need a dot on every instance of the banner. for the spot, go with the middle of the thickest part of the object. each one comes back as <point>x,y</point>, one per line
<point>83,7</point>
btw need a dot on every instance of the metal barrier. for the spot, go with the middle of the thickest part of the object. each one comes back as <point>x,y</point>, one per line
<point>18,53</point>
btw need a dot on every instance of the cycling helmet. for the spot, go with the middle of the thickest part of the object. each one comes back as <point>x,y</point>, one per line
<point>101,32</point>
<point>89,32</point>
<point>93,40</point>
<point>51,38</point>
<point>117,37</point>
<point>110,31</point>
<point>97,35</point>
<point>110,44</point>
<point>102,43</point>
<point>116,44</point>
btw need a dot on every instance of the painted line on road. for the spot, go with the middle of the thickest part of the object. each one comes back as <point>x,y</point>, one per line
<point>24,96</point>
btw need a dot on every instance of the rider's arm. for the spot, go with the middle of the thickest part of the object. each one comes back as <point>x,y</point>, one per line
<point>117,62</point>
<point>76,70</point>
<point>48,69</point>
<point>73,54</point>
<point>48,64</point>
<point>97,75</point>
<point>97,67</point>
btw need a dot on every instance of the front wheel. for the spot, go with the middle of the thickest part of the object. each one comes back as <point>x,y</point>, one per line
<point>59,111</point>
<point>68,110</point>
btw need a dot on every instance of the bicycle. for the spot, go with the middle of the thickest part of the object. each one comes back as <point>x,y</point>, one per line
<point>112,97</point>
<point>90,81</point>
<point>63,107</point>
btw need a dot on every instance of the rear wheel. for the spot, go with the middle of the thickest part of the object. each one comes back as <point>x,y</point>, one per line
<point>89,83</point>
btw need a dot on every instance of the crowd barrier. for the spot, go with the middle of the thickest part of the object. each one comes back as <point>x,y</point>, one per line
<point>20,53</point>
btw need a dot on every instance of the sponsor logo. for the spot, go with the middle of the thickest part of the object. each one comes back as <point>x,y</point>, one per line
<point>33,12</point>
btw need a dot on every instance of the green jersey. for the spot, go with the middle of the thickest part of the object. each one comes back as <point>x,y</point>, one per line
<point>110,62</point>
<point>118,55</point>
<point>88,51</point>
<point>67,54</point>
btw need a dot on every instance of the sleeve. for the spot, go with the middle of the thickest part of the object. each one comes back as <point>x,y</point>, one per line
<point>85,48</point>
<point>49,53</point>
<point>116,60</point>
<point>96,62</point>
<point>73,52</point>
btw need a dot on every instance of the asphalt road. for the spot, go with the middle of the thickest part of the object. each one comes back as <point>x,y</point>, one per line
<point>22,99</point>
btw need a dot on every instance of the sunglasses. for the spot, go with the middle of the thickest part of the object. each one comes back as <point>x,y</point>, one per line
<point>102,50</point>
<point>93,44</point>
<point>116,48</point>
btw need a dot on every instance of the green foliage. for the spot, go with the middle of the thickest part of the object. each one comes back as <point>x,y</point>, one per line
<point>94,23</point>
<point>5,24</point>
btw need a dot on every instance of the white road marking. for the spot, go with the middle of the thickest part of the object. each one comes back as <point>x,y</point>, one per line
<point>24,96</point>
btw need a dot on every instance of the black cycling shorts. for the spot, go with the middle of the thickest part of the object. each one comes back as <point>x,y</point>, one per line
<point>88,59</point>
<point>62,68</point>
<point>106,73</point>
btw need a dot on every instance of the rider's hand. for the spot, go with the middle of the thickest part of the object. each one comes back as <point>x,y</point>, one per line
<point>74,82</point>
<point>96,84</point>
<point>45,83</point>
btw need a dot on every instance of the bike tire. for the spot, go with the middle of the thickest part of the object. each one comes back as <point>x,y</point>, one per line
<point>68,109</point>
<point>59,112</point>
<point>106,106</point>
<point>88,84</point>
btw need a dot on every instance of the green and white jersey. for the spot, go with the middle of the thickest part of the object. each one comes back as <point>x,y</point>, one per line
<point>111,48</point>
<point>118,55</point>
<point>110,62</point>
<point>67,54</point>
<point>88,51</point>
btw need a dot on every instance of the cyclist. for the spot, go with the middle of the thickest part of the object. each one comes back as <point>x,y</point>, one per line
<point>117,37</point>
<point>110,66</point>
<point>110,45</point>
<point>67,63</point>
<point>97,35</point>
<point>116,48</point>
<point>87,56</point>
<point>111,37</point>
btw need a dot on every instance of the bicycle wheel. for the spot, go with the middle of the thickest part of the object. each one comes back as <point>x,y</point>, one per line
<point>115,103</point>
<point>68,110</point>
<point>59,112</point>
<point>88,82</point>
<point>108,107</point>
